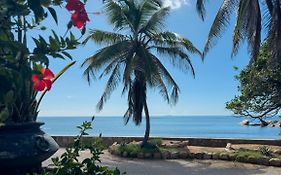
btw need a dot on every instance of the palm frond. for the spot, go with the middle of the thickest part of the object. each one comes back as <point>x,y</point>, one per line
<point>111,85</point>
<point>155,23</point>
<point>269,5</point>
<point>239,33</point>
<point>136,101</point>
<point>148,8</point>
<point>128,71</point>
<point>104,37</point>
<point>253,27</point>
<point>190,47</point>
<point>200,7</point>
<point>184,63</point>
<point>102,57</point>
<point>109,68</point>
<point>248,26</point>
<point>115,12</point>
<point>220,23</point>
<point>168,79</point>
<point>274,37</point>
<point>170,39</point>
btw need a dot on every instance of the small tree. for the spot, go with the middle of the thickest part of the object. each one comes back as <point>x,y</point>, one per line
<point>260,88</point>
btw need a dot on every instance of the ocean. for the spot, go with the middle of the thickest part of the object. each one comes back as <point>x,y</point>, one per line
<point>163,126</point>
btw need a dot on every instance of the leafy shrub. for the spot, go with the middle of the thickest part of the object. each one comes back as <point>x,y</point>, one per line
<point>265,150</point>
<point>157,142</point>
<point>151,147</point>
<point>68,164</point>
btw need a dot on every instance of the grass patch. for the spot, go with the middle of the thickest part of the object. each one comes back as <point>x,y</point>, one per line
<point>151,147</point>
<point>246,153</point>
<point>254,153</point>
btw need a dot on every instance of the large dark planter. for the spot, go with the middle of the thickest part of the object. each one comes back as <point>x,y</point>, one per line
<point>23,147</point>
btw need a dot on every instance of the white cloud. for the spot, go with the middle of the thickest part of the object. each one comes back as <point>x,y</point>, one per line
<point>69,97</point>
<point>175,4</point>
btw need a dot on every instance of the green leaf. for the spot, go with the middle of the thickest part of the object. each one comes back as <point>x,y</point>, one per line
<point>38,11</point>
<point>54,14</point>
<point>54,44</point>
<point>83,31</point>
<point>67,55</point>
<point>72,37</point>
<point>9,97</point>
<point>69,25</point>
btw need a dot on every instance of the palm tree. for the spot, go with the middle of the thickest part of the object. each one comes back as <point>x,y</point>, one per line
<point>248,25</point>
<point>131,55</point>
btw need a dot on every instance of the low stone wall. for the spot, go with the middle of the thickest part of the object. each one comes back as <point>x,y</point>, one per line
<point>64,141</point>
<point>226,156</point>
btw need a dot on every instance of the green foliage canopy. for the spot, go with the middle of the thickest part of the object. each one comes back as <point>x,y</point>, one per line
<point>260,88</point>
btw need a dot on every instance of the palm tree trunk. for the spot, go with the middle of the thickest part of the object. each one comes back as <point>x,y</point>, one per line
<point>147,126</point>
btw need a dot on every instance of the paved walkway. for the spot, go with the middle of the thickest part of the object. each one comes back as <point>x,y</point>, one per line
<point>181,167</point>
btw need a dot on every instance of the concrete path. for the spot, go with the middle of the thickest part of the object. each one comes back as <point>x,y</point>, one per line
<point>181,167</point>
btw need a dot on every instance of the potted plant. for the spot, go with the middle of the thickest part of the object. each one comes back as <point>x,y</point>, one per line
<point>25,77</point>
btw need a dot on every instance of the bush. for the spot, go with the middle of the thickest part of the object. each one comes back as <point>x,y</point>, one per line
<point>265,150</point>
<point>157,142</point>
<point>68,164</point>
<point>152,146</point>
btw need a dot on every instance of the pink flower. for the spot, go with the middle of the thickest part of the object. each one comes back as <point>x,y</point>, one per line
<point>40,83</point>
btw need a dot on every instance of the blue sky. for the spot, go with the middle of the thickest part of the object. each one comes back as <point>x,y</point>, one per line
<point>205,95</point>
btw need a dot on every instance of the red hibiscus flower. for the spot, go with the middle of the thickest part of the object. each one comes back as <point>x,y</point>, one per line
<point>40,83</point>
<point>79,19</point>
<point>74,5</point>
<point>80,16</point>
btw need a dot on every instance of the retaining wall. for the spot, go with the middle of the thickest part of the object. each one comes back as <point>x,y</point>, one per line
<point>64,141</point>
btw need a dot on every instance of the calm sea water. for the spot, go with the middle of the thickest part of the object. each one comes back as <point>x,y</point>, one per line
<point>164,126</point>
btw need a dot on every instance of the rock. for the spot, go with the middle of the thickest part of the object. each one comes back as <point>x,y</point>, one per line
<point>140,155</point>
<point>125,154</point>
<point>263,161</point>
<point>109,149</point>
<point>190,155</point>
<point>245,122</point>
<point>133,154</point>
<point>147,155</point>
<point>275,162</point>
<point>229,147</point>
<point>157,155</point>
<point>278,151</point>
<point>232,157</point>
<point>114,144</point>
<point>223,156</point>
<point>242,159</point>
<point>117,152</point>
<point>272,122</point>
<point>207,156</point>
<point>252,159</point>
<point>183,154</point>
<point>215,156</point>
<point>198,155</point>
<point>174,155</point>
<point>175,144</point>
<point>166,155</point>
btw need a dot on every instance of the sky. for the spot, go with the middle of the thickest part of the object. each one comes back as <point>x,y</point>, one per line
<point>207,94</point>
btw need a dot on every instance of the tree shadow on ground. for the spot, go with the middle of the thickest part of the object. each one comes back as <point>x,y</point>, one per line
<point>185,167</point>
